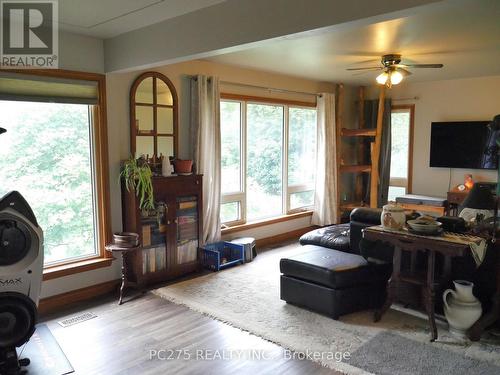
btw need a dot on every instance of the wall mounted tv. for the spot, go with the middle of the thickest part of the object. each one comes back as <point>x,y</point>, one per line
<point>465,144</point>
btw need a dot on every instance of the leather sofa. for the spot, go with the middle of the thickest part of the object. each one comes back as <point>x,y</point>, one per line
<point>334,275</point>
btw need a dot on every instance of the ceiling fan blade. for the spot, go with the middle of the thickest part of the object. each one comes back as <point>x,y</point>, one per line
<point>369,68</point>
<point>404,72</point>
<point>360,73</point>
<point>419,65</point>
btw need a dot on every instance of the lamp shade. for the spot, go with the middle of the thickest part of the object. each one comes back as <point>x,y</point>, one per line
<point>382,78</point>
<point>480,197</point>
<point>396,77</point>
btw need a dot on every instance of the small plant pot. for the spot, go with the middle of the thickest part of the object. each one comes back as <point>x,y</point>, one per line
<point>183,166</point>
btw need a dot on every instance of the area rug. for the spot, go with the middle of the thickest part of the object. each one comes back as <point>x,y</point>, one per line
<point>407,357</point>
<point>247,297</point>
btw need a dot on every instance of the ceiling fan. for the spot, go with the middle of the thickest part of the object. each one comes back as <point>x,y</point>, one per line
<point>393,71</point>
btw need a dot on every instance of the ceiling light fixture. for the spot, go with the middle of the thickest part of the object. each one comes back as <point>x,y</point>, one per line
<point>382,78</point>
<point>393,71</point>
<point>391,76</point>
<point>396,77</point>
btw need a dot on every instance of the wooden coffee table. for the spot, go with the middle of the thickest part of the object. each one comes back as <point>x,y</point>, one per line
<point>406,241</point>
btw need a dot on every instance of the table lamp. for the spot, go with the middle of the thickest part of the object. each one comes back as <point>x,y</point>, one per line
<point>468,181</point>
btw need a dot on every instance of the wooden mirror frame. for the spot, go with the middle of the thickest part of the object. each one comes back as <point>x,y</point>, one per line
<point>155,105</point>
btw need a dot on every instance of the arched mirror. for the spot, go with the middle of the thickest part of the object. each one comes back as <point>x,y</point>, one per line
<point>153,117</point>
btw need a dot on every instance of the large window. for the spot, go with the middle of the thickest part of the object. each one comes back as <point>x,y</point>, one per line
<point>268,159</point>
<point>55,154</point>
<point>46,156</point>
<point>401,151</point>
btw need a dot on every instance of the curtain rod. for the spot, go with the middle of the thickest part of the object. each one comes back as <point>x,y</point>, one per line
<point>271,89</point>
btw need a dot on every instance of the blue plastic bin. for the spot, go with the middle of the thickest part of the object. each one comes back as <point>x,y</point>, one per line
<point>214,253</point>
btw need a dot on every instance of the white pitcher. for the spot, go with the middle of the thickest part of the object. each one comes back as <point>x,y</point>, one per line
<point>461,308</point>
<point>166,167</point>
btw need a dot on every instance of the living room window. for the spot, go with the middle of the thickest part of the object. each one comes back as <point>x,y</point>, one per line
<point>268,157</point>
<point>46,156</point>
<point>55,154</point>
<point>402,118</point>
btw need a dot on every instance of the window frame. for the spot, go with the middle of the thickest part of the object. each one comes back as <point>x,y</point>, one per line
<point>398,181</point>
<point>100,164</point>
<point>240,196</point>
<point>295,188</point>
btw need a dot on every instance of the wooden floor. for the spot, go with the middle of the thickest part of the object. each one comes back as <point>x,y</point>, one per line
<point>120,339</point>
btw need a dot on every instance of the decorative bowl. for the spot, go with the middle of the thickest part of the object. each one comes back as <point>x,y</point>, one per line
<point>126,239</point>
<point>424,225</point>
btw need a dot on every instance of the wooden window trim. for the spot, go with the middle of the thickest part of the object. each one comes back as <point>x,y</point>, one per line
<point>101,163</point>
<point>264,222</point>
<point>411,109</point>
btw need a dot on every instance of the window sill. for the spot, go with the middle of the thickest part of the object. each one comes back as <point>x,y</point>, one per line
<point>261,223</point>
<point>55,272</point>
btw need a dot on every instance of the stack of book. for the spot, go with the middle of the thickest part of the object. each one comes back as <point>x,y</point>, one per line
<point>187,232</point>
<point>154,259</point>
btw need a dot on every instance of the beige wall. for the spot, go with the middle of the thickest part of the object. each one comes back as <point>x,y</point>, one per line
<point>118,87</point>
<point>453,100</point>
<point>80,52</point>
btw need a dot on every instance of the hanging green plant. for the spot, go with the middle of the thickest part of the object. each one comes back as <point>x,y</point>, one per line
<point>137,176</point>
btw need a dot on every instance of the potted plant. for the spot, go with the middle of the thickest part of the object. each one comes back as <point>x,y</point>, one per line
<point>137,176</point>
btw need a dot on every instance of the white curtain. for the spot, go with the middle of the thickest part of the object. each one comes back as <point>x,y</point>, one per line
<point>205,127</point>
<point>325,206</point>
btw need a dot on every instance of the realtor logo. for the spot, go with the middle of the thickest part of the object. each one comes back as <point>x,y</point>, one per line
<point>29,34</point>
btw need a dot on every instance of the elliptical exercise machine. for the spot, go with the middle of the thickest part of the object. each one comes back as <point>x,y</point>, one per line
<point>21,270</point>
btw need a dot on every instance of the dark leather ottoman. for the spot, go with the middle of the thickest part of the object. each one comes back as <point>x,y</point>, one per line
<point>332,282</point>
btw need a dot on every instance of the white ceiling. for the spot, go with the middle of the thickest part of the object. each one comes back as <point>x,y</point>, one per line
<point>464,35</point>
<point>108,18</point>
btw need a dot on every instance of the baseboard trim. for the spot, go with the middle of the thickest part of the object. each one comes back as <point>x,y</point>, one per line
<point>53,303</point>
<point>295,234</point>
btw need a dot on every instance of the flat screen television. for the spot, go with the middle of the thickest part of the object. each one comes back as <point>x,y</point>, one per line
<point>465,144</point>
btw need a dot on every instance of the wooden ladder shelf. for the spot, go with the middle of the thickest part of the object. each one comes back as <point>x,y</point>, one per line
<point>375,146</point>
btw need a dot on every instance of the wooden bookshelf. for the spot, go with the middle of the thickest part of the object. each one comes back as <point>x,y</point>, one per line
<point>358,132</point>
<point>170,237</point>
<point>355,168</point>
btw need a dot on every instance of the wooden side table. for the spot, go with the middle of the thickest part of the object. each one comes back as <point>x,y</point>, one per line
<point>423,203</point>
<point>455,199</point>
<point>405,241</point>
<point>424,208</point>
<point>123,251</point>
